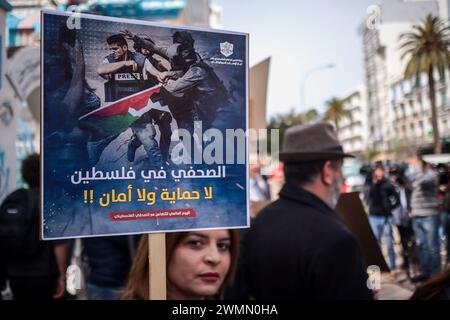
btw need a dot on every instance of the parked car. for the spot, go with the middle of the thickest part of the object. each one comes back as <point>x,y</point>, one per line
<point>354,180</point>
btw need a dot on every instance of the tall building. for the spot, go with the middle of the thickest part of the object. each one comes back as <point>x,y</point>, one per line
<point>198,13</point>
<point>23,22</point>
<point>398,113</point>
<point>202,13</point>
<point>215,16</point>
<point>352,131</point>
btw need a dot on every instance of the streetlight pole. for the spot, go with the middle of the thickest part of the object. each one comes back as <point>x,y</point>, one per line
<point>305,77</point>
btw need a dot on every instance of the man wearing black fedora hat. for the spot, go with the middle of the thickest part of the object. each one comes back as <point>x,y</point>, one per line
<point>297,246</point>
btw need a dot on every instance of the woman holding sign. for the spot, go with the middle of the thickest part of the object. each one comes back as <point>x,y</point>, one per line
<point>198,264</point>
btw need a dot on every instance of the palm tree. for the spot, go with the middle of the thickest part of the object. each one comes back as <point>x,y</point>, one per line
<point>336,111</point>
<point>427,49</point>
<point>310,116</point>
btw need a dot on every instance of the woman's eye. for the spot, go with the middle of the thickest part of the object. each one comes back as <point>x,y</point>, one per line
<point>223,246</point>
<point>195,243</point>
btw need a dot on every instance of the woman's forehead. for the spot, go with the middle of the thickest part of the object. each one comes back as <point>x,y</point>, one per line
<point>210,234</point>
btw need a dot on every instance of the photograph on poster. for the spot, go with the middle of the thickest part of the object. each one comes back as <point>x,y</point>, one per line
<point>143,127</point>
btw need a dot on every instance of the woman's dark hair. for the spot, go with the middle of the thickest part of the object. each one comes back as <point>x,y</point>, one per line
<point>30,170</point>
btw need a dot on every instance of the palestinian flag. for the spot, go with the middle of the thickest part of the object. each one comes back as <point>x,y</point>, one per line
<point>116,117</point>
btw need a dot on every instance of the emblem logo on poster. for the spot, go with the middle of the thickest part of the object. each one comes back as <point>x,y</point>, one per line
<point>226,48</point>
<point>374,279</point>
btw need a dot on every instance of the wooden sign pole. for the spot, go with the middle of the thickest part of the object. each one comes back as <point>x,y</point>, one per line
<point>157,266</point>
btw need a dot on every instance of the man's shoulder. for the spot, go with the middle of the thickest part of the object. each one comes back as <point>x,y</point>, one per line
<point>340,238</point>
<point>196,70</point>
<point>108,59</point>
<point>281,206</point>
<point>138,57</point>
<point>388,185</point>
<point>300,216</point>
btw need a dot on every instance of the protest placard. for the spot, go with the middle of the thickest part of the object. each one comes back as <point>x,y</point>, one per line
<point>143,127</point>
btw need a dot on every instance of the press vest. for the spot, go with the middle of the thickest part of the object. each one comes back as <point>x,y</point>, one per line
<point>125,82</point>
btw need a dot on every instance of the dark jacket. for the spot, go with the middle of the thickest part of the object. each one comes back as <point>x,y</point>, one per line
<point>446,201</point>
<point>382,198</point>
<point>109,259</point>
<point>299,249</point>
<point>44,263</point>
<point>424,198</point>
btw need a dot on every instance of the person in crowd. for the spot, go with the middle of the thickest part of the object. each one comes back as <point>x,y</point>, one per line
<point>382,198</point>
<point>298,247</point>
<point>276,180</point>
<point>108,261</point>
<point>198,265</point>
<point>35,269</point>
<point>442,182</point>
<point>400,214</point>
<point>446,209</point>
<point>426,219</point>
<point>435,288</point>
<point>259,188</point>
<point>2,275</point>
<point>259,197</point>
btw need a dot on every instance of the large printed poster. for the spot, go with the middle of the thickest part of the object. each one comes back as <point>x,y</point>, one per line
<point>143,127</point>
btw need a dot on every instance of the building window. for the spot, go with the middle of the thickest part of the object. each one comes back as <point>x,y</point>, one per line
<point>412,128</point>
<point>443,98</point>
<point>411,105</point>
<point>392,95</point>
<point>402,107</point>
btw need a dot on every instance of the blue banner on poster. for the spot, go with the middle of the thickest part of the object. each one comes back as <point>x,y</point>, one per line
<point>143,127</point>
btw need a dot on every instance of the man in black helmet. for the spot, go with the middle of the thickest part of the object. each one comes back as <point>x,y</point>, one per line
<point>197,92</point>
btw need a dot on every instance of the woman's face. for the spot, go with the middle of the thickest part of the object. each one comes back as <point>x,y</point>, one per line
<point>199,265</point>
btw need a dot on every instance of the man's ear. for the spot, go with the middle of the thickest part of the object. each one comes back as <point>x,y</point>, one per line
<point>327,174</point>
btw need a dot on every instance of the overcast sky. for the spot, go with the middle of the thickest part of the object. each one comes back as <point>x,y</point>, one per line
<point>300,35</point>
